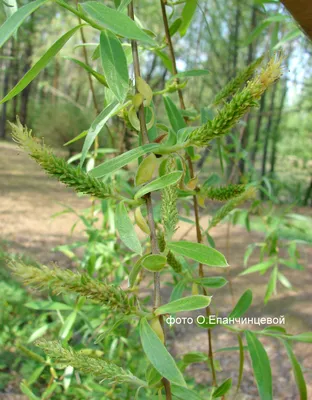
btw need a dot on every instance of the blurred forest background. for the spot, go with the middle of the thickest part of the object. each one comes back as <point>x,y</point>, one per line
<point>272,144</point>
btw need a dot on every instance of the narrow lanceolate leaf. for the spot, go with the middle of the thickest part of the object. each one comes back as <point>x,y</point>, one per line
<point>258,267</point>
<point>146,170</point>
<point>242,305</point>
<point>115,21</point>
<point>199,252</point>
<point>158,355</point>
<point>305,337</point>
<point>271,288</point>
<point>187,15</point>
<point>261,366</point>
<point>14,22</point>
<point>302,388</point>
<point>96,127</point>
<point>44,60</point>
<point>90,70</point>
<point>118,162</point>
<point>185,304</point>
<point>175,117</point>
<point>126,230</point>
<point>159,183</point>
<point>212,281</point>
<point>154,262</point>
<point>222,389</point>
<point>183,393</point>
<point>114,64</point>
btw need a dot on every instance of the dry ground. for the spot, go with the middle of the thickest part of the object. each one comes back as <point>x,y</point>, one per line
<point>28,200</point>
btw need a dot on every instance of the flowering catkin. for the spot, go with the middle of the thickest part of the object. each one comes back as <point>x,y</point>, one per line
<point>241,102</point>
<point>222,193</point>
<point>58,167</point>
<point>234,84</point>
<point>65,281</point>
<point>87,364</point>
<point>230,205</point>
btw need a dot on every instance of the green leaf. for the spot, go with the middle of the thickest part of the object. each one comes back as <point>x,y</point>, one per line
<point>76,138</point>
<point>256,32</point>
<point>222,389</point>
<point>135,271</point>
<point>114,64</point>
<point>305,337</point>
<point>190,73</point>
<point>118,162</point>
<point>115,21</point>
<point>174,27</point>
<point>38,333</point>
<point>199,252</point>
<point>146,170</point>
<point>187,15</point>
<point>261,366</point>
<point>212,281</point>
<point>185,304</point>
<point>90,70</point>
<point>126,230</point>
<point>290,36</point>
<point>194,357</point>
<point>258,267</point>
<point>154,262</point>
<point>299,378</point>
<point>165,59</point>
<point>44,60</point>
<point>178,290</point>
<point>68,324</point>
<point>175,117</point>
<point>284,281</point>
<point>183,393</point>
<point>10,26</point>
<point>25,389</point>
<point>271,288</point>
<point>159,183</point>
<point>242,305</point>
<point>241,362</point>
<point>158,355</point>
<point>96,127</point>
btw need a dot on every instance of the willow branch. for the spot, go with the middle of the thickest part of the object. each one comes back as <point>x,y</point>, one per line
<point>148,198</point>
<point>191,168</point>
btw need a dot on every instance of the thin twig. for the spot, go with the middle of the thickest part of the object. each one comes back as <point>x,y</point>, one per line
<point>148,198</point>
<point>192,175</point>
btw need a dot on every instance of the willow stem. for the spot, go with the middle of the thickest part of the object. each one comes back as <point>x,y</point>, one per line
<point>192,175</point>
<point>148,198</point>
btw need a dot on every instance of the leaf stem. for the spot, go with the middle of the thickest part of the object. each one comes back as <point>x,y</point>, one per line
<point>192,175</point>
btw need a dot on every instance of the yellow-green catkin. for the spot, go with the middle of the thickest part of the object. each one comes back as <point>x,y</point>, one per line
<point>66,281</point>
<point>171,259</point>
<point>169,197</point>
<point>58,167</point>
<point>240,79</point>
<point>230,205</point>
<point>222,193</point>
<point>242,101</point>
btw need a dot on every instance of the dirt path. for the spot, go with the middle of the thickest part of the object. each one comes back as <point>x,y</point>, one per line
<point>28,199</point>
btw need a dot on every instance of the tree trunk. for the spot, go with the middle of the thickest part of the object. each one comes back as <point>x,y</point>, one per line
<point>245,134</point>
<point>6,80</point>
<point>26,92</point>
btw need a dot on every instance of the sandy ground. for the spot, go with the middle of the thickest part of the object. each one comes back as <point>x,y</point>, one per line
<point>28,199</point>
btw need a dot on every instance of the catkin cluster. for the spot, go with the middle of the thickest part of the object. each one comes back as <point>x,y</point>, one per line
<point>234,84</point>
<point>87,364</point>
<point>241,102</point>
<point>230,205</point>
<point>223,193</point>
<point>58,167</point>
<point>65,281</point>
